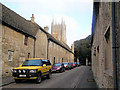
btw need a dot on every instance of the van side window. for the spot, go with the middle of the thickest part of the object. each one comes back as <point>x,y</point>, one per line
<point>48,62</point>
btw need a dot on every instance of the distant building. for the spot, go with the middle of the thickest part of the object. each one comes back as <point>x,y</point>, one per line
<point>59,31</point>
<point>106,44</point>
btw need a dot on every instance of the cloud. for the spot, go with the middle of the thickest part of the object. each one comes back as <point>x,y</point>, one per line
<point>43,20</point>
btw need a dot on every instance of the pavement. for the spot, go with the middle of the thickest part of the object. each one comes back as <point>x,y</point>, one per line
<point>86,81</point>
<point>7,80</point>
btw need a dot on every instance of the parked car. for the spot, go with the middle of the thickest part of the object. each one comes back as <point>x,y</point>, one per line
<point>74,64</point>
<point>78,63</point>
<point>34,68</point>
<point>67,65</point>
<point>89,64</point>
<point>58,67</point>
<point>71,65</point>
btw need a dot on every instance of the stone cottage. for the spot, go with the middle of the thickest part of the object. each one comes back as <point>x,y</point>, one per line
<point>22,39</point>
<point>105,44</point>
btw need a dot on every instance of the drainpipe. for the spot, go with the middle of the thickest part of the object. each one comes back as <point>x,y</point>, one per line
<point>34,48</point>
<point>48,48</point>
<point>114,46</point>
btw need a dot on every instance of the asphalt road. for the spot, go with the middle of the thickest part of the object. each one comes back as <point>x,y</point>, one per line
<point>75,78</point>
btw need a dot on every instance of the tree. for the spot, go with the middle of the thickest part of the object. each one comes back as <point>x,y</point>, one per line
<point>83,49</point>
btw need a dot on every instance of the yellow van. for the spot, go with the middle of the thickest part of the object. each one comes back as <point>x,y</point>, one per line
<point>34,68</point>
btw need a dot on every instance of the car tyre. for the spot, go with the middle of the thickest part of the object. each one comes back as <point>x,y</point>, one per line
<point>60,71</point>
<point>49,75</point>
<point>63,69</point>
<point>18,80</point>
<point>39,78</point>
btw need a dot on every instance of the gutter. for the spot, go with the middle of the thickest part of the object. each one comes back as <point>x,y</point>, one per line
<point>114,46</point>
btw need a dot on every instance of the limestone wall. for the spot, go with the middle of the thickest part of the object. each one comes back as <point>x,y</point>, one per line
<point>41,45</point>
<point>14,42</point>
<point>58,54</point>
<point>102,65</point>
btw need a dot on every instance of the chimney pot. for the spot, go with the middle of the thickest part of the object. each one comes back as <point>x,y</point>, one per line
<point>46,28</point>
<point>32,18</point>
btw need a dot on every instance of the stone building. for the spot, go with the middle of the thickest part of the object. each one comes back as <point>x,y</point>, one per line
<point>22,39</point>
<point>105,44</point>
<point>59,31</point>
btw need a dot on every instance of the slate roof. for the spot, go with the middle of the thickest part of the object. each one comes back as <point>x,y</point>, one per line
<point>20,24</point>
<point>14,20</point>
<point>51,38</point>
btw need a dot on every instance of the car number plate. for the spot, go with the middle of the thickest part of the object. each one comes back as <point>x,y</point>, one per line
<point>22,75</point>
<point>53,70</point>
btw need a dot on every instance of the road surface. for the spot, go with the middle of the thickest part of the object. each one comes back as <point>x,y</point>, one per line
<point>79,77</point>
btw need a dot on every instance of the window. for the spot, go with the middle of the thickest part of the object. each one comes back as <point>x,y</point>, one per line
<point>94,51</point>
<point>107,35</point>
<point>26,40</point>
<point>10,53</point>
<point>47,62</point>
<point>108,51</point>
<point>32,63</point>
<point>98,49</point>
<point>28,55</point>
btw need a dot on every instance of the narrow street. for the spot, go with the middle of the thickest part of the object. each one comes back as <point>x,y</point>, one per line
<point>78,77</point>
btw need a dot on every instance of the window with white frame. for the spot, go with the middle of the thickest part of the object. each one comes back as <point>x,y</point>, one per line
<point>10,53</point>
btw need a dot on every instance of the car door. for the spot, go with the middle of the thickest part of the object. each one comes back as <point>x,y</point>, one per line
<point>44,67</point>
<point>49,67</point>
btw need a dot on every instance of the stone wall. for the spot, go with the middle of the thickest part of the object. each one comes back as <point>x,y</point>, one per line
<point>58,54</point>
<point>13,41</point>
<point>41,45</point>
<point>102,64</point>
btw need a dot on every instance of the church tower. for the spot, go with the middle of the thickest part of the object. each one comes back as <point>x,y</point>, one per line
<point>59,30</point>
<point>63,32</point>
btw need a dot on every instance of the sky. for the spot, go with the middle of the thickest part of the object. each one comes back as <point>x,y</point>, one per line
<point>77,14</point>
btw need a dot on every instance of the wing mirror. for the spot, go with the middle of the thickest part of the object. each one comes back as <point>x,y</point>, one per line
<point>20,65</point>
<point>44,65</point>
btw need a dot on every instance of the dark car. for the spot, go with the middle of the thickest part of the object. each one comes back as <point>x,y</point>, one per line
<point>67,65</point>
<point>58,67</point>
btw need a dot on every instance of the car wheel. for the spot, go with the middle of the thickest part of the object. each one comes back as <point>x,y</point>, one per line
<point>49,75</point>
<point>17,80</point>
<point>39,79</point>
<point>63,69</point>
<point>60,71</point>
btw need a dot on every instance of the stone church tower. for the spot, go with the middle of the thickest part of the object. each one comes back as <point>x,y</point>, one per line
<point>59,31</point>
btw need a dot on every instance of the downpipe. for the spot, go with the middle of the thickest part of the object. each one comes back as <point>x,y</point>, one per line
<point>114,45</point>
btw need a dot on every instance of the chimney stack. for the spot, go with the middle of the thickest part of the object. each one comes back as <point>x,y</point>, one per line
<point>46,28</point>
<point>32,18</point>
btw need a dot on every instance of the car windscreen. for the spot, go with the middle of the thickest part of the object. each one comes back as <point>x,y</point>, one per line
<point>65,63</point>
<point>57,64</point>
<point>32,63</point>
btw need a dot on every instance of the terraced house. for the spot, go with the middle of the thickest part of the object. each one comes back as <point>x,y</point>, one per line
<point>22,39</point>
<point>106,44</point>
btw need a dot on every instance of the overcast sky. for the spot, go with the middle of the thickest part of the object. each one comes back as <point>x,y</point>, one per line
<point>77,14</point>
